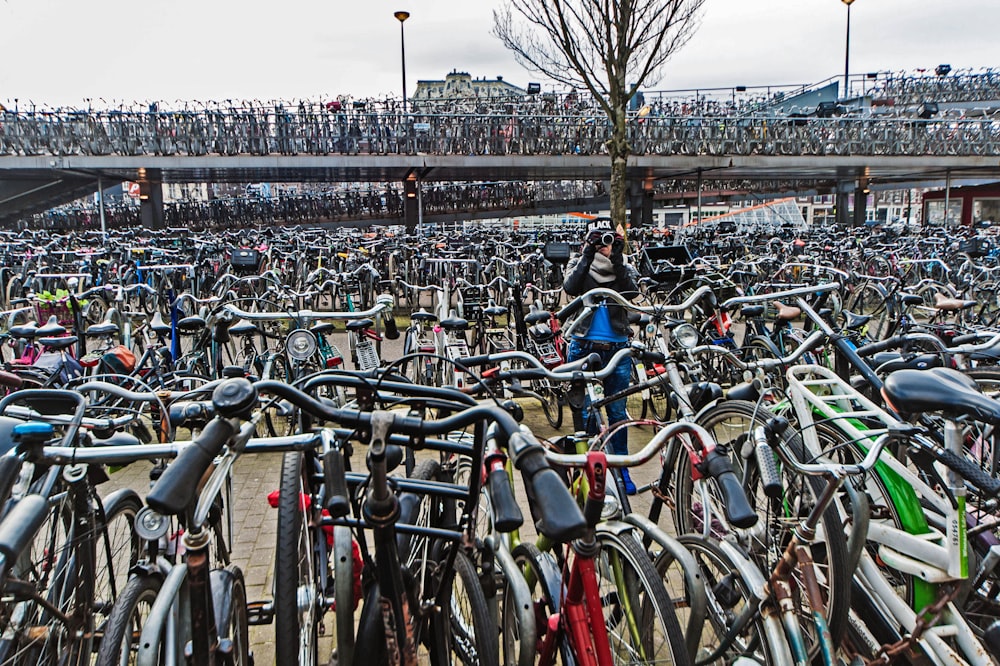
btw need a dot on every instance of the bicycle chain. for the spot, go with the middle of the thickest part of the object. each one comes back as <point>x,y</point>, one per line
<point>926,619</point>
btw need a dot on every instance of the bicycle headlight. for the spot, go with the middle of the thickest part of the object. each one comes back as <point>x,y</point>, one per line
<point>686,336</point>
<point>301,344</point>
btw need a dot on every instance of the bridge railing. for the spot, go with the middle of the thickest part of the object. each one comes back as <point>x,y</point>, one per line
<point>269,132</point>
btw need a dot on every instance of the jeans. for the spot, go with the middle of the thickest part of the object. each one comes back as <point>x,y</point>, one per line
<point>617,381</point>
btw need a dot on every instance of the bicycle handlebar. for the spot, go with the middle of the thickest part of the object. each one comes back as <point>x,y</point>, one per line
<point>776,295</point>
<point>814,340</point>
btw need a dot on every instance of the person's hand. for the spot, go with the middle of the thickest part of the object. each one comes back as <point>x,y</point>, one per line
<point>617,256</point>
<point>589,250</point>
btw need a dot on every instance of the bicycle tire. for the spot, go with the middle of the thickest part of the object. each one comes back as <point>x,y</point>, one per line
<point>627,580</point>
<point>635,405</point>
<point>125,622</point>
<point>471,629</point>
<point>730,424</point>
<point>551,402</point>
<point>295,571</point>
<point>730,594</point>
<point>343,580</point>
<point>117,550</point>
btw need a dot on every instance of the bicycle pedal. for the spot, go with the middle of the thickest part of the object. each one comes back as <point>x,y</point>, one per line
<point>260,612</point>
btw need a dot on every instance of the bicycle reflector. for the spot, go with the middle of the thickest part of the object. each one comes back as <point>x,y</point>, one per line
<point>301,344</point>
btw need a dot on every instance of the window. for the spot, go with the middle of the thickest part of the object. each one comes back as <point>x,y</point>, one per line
<point>986,209</point>
<point>935,212</point>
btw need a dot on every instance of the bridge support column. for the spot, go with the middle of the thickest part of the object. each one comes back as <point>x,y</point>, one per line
<point>150,200</point>
<point>641,204</point>
<point>843,202</point>
<point>861,202</point>
<point>411,203</point>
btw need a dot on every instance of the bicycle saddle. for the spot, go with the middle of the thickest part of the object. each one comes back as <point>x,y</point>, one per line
<point>191,324</point>
<point>942,302</point>
<point>495,311</point>
<point>423,315</point>
<point>243,327</point>
<point>58,343</point>
<point>28,330</point>
<point>360,324</point>
<point>940,390</point>
<point>323,328</point>
<point>855,321</point>
<point>159,326</point>
<point>104,328</point>
<point>454,323</point>
<point>52,328</point>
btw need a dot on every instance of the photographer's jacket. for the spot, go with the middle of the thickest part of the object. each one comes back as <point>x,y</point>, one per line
<point>584,273</point>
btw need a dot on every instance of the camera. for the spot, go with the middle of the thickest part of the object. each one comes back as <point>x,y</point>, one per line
<point>598,238</point>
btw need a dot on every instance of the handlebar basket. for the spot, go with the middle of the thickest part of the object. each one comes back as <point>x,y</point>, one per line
<point>60,309</point>
<point>975,247</point>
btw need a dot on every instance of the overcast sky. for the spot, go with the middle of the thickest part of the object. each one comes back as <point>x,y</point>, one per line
<point>64,51</point>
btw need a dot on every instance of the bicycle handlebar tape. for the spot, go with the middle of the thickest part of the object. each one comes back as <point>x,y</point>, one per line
<point>472,361</point>
<point>338,501</point>
<point>767,466</point>
<point>570,308</point>
<point>179,483</point>
<point>880,346</point>
<point>737,507</point>
<point>20,526</point>
<point>562,520</point>
<point>507,515</point>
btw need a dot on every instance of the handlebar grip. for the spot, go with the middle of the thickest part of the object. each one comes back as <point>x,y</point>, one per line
<point>737,507</point>
<point>338,501</point>
<point>20,526</point>
<point>506,513</point>
<point>767,466</point>
<point>470,361</point>
<point>391,330</point>
<point>569,309</point>
<point>649,356</point>
<point>971,472</point>
<point>179,483</point>
<point>882,345</point>
<point>562,520</point>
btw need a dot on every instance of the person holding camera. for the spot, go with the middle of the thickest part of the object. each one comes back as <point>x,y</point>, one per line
<point>601,263</point>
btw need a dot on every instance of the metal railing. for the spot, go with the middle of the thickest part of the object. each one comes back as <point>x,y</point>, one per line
<point>266,132</point>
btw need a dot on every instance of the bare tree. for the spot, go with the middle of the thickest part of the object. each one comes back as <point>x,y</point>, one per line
<point>609,47</point>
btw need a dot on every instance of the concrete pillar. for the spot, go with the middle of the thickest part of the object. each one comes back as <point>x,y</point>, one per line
<point>151,202</point>
<point>843,201</point>
<point>411,204</point>
<point>860,205</point>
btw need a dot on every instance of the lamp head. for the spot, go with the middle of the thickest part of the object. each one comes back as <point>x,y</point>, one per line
<point>402,16</point>
<point>848,2</point>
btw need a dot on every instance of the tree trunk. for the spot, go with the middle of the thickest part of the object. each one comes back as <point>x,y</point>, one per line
<point>618,149</point>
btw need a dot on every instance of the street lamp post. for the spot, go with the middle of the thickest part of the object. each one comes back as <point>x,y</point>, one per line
<point>847,46</point>
<point>401,17</point>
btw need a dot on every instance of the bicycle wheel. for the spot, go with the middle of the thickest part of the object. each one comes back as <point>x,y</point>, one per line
<point>117,550</point>
<point>124,625</point>
<point>280,419</point>
<point>659,399</point>
<point>472,631</point>
<point>635,404</point>
<point>297,594</point>
<point>731,423</point>
<point>551,401</point>
<point>638,613</point>
<point>729,597</point>
<point>869,298</point>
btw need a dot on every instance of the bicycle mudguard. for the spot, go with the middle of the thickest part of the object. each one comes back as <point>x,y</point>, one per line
<point>222,582</point>
<point>20,525</point>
